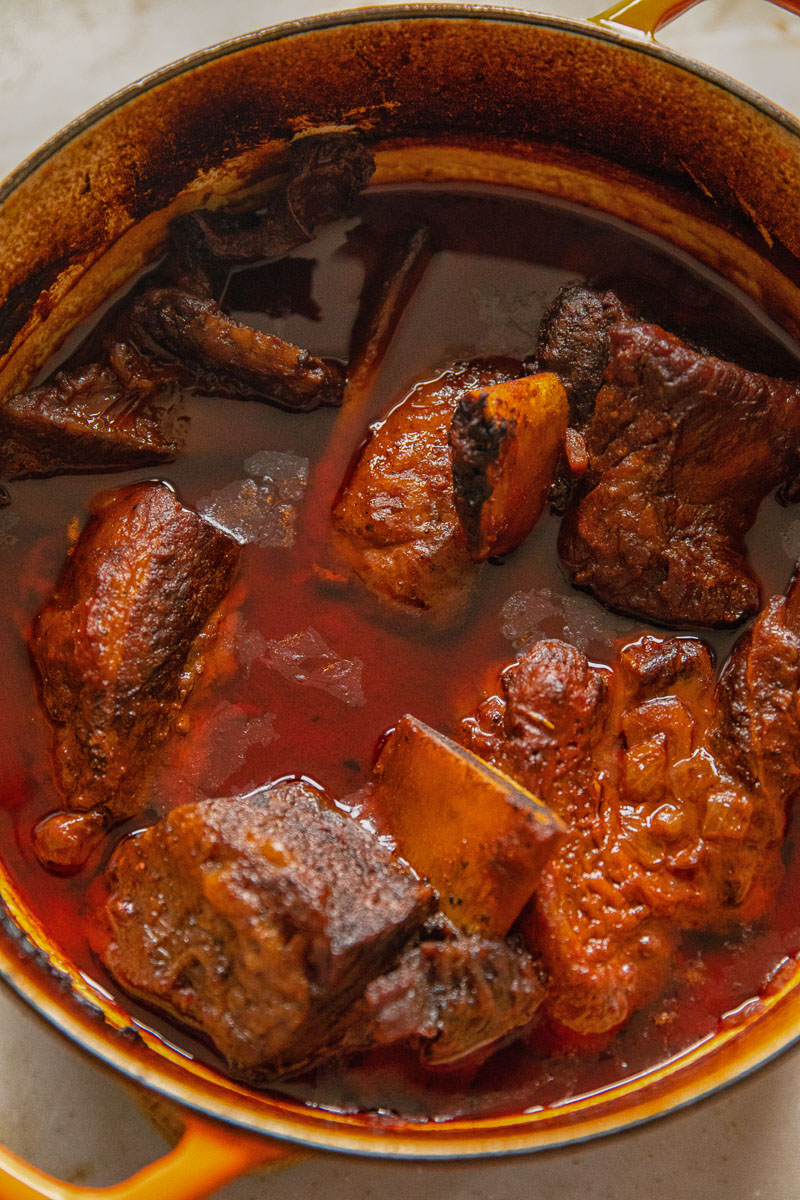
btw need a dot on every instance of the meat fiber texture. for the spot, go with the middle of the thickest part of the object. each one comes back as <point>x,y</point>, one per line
<point>395,521</point>
<point>227,358</point>
<point>674,790</point>
<point>113,644</point>
<point>116,415</point>
<point>259,919</point>
<point>681,447</point>
<point>454,997</point>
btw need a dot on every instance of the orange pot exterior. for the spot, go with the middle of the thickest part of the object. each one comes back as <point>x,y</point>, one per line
<point>207,1156</point>
<point>570,109</point>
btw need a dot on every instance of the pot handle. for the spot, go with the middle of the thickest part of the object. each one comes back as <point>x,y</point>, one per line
<point>208,1155</point>
<point>648,16</point>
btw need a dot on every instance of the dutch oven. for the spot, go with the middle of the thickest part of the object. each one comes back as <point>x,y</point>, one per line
<point>594,112</point>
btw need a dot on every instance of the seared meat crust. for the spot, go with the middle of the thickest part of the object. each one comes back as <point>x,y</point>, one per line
<point>454,997</point>
<point>682,448</point>
<point>506,444</point>
<point>116,415</point>
<point>259,919</point>
<point>574,344</point>
<point>112,644</point>
<point>395,520</point>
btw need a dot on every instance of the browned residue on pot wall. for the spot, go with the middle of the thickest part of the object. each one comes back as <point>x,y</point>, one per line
<point>220,125</point>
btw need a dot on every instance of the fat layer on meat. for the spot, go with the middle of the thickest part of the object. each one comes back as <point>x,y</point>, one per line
<point>395,521</point>
<point>674,791</point>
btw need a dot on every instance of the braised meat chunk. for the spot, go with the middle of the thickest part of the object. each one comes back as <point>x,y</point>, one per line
<point>544,729</point>
<point>759,697</point>
<point>454,997</point>
<point>688,810</point>
<point>395,521</point>
<point>231,359</point>
<point>328,171</point>
<point>602,955</point>
<point>259,919</point>
<point>682,448</point>
<point>116,644</point>
<point>575,344</point>
<point>115,415</point>
<point>668,830</point>
<point>326,174</point>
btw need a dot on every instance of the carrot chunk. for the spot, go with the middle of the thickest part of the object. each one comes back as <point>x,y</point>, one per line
<point>506,442</point>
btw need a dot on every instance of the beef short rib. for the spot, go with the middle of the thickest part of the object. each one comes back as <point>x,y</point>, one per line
<point>682,448</point>
<point>674,791</point>
<point>114,644</point>
<point>259,919</point>
<point>116,415</point>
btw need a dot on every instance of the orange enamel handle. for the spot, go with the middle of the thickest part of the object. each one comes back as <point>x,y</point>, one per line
<point>648,16</point>
<point>208,1155</point>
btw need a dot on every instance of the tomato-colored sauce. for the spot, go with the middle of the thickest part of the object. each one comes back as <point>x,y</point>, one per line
<point>501,258</point>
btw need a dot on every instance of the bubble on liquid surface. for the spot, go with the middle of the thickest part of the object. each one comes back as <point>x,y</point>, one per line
<point>308,659</point>
<point>261,510</point>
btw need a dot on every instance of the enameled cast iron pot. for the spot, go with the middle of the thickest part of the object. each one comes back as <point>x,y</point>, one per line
<point>594,112</point>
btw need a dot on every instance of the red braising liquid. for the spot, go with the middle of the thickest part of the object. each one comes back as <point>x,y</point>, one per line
<point>501,258</point>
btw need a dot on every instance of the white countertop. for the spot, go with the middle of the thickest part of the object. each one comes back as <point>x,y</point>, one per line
<point>57,58</point>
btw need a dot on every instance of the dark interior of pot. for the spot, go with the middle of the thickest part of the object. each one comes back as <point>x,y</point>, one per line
<point>519,141</point>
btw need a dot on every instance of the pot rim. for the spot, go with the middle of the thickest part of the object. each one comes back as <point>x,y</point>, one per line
<point>24,964</point>
<point>607,31</point>
<point>306,1127</point>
